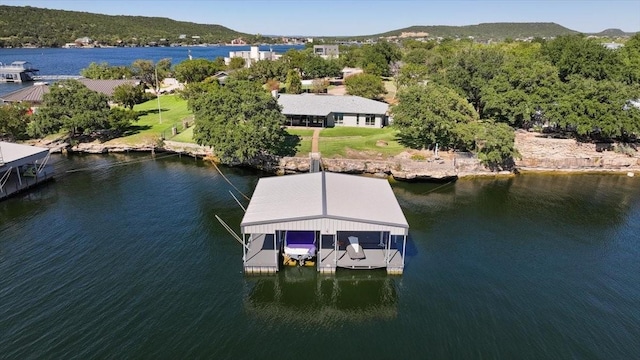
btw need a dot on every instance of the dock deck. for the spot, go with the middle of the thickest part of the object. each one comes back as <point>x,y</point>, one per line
<point>329,260</point>
<point>263,255</point>
<point>13,186</point>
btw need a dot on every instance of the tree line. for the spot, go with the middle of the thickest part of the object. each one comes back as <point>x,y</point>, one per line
<point>458,95</point>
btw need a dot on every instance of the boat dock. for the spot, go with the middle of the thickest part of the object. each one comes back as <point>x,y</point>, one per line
<point>22,167</point>
<point>326,220</point>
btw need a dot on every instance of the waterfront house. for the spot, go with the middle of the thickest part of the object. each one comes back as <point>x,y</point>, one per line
<point>321,110</point>
<point>33,95</point>
<point>251,56</point>
<point>334,220</point>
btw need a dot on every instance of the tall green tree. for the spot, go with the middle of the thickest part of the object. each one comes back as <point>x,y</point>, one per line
<point>366,85</point>
<point>429,114</point>
<point>73,107</point>
<point>128,95</point>
<point>196,70</point>
<point>104,71</point>
<point>236,63</point>
<point>239,120</point>
<point>577,55</point>
<point>13,121</point>
<point>596,109</point>
<point>293,83</point>
<point>472,70</point>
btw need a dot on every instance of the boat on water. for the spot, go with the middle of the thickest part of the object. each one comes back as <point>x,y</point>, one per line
<point>17,72</point>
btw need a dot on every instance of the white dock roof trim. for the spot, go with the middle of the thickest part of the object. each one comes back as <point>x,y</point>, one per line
<point>323,105</point>
<point>328,202</point>
<point>17,154</point>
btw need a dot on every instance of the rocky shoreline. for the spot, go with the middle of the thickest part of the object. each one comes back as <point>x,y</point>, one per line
<point>538,154</point>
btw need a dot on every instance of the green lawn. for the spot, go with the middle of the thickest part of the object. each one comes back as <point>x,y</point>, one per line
<point>185,136</point>
<point>149,128</point>
<point>335,142</point>
<point>304,146</point>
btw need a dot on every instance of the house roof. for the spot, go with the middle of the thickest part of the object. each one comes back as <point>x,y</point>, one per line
<point>31,94</point>
<point>34,94</point>
<point>106,86</point>
<point>314,196</point>
<point>323,105</point>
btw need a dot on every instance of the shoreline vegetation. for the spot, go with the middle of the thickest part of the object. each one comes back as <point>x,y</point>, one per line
<point>540,154</point>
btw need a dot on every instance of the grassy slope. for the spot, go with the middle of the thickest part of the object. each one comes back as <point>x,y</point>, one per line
<point>335,142</point>
<point>149,128</point>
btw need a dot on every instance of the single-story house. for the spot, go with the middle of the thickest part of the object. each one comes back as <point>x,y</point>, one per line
<point>34,94</point>
<point>322,110</point>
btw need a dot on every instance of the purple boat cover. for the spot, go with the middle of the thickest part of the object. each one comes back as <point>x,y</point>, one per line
<point>300,238</point>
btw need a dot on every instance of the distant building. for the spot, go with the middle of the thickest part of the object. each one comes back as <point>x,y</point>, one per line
<point>613,46</point>
<point>238,41</point>
<point>252,56</point>
<point>326,51</point>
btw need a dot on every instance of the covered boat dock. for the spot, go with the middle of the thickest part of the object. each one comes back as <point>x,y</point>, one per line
<point>22,167</point>
<point>329,220</point>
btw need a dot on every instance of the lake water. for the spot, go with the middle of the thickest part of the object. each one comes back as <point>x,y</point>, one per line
<point>72,61</point>
<point>128,261</point>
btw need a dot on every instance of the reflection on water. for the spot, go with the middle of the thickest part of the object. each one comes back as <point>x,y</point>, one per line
<point>302,295</point>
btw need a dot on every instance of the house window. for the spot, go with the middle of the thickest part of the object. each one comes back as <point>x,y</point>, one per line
<point>357,119</point>
<point>370,120</point>
<point>339,118</point>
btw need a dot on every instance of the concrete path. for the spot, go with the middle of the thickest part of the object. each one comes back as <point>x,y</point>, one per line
<point>314,140</point>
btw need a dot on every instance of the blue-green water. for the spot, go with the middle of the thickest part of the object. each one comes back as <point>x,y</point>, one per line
<point>129,262</point>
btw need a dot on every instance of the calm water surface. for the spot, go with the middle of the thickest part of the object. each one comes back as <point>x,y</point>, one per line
<point>129,262</point>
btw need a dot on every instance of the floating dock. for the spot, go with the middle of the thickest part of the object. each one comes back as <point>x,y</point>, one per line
<point>328,219</point>
<point>22,167</point>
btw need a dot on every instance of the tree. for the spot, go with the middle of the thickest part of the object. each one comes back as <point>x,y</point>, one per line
<point>494,143</point>
<point>127,95</point>
<point>196,70</point>
<point>120,119</point>
<point>236,63</point>
<point>239,120</point>
<point>366,85</point>
<point>630,55</point>
<point>13,121</point>
<point>293,83</point>
<point>428,114</point>
<point>105,72</point>
<point>317,67</point>
<point>576,55</point>
<point>473,68</point>
<point>319,86</point>
<point>524,87</point>
<point>73,107</point>
<point>412,74</point>
<point>600,109</point>
<point>265,70</point>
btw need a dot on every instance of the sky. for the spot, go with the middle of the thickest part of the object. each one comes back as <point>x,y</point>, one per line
<point>363,17</point>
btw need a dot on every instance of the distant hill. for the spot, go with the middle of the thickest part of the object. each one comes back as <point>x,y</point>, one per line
<point>54,28</point>
<point>487,31</point>
<point>613,33</point>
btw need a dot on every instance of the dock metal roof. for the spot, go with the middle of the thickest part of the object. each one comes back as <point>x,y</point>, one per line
<point>324,104</point>
<point>13,155</point>
<point>327,202</point>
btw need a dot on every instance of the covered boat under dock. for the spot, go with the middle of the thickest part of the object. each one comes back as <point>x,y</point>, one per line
<point>329,220</point>
<point>22,167</point>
